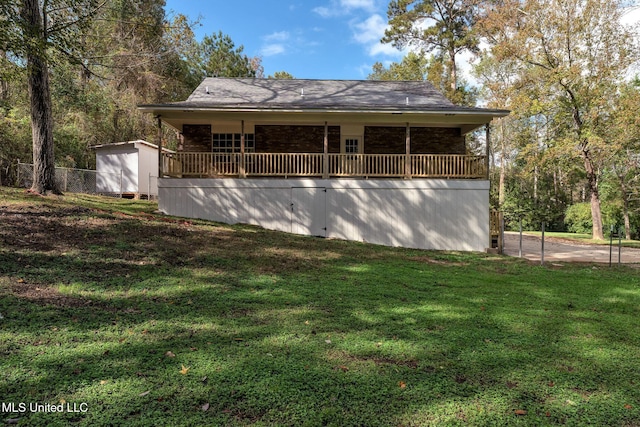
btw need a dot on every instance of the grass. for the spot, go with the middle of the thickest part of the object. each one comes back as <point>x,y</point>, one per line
<point>584,238</point>
<point>154,321</point>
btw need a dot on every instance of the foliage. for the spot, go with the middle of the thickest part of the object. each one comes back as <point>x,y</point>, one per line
<point>570,58</point>
<point>417,67</point>
<point>578,218</point>
<point>217,56</point>
<point>119,55</point>
<point>446,27</point>
<point>156,320</point>
<point>281,75</point>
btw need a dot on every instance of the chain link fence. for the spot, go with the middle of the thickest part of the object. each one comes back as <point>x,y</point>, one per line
<point>74,180</point>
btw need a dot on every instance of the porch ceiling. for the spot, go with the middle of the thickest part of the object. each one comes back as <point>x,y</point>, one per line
<point>466,120</point>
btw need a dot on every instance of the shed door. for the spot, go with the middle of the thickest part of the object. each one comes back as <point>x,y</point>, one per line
<point>309,211</point>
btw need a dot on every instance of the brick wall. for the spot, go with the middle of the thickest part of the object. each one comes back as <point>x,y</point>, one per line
<point>295,139</point>
<point>196,138</point>
<point>424,140</point>
<point>309,139</point>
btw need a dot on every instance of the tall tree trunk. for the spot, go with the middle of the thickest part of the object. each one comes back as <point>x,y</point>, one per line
<point>625,208</point>
<point>453,70</point>
<point>592,180</point>
<point>4,84</point>
<point>503,165</point>
<point>40,100</point>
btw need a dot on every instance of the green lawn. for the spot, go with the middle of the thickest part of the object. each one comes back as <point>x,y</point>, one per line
<point>154,321</point>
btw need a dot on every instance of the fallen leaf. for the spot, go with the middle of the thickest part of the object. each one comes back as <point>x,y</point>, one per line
<point>548,414</point>
<point>520,412</point>
<point>169,354</point>
<point>327,341</point>
<point>20,280</point>
<point>482,308</point>
<point>306,322</point>
<point>144,393</point>
<point>511,385</point>
<point>205,407</point>
<point>627,406</point>
<point>193,348</point>
<point>103,382</point>
<point>184,370</point>
<point>402,384</point>
<point>551,384</point>
<point>342,368</point>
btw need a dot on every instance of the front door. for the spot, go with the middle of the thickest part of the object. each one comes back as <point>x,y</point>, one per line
<point>309,211</point>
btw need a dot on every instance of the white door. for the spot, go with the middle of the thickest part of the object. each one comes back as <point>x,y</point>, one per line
<point>309,211</point>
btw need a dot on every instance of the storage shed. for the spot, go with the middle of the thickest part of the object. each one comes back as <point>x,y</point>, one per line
<point>129,168</point>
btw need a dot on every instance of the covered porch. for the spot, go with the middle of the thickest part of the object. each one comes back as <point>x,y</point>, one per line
<point>323,165</point>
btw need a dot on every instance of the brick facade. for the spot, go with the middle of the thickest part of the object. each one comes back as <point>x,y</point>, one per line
<point>196,138</point>
<point>424,140</point>
<point>295,139</point>
<point>309,139</point>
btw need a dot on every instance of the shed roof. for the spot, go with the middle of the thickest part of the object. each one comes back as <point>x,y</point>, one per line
<point>134,143</point>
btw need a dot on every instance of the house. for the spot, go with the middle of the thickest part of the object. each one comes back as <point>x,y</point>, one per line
<point>129,168</point>
<point>375,161</point>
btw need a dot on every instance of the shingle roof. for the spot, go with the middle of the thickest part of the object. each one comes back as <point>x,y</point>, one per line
<point>311,94</point>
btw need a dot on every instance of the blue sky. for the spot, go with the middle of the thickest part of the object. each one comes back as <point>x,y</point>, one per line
<point>311,39</point>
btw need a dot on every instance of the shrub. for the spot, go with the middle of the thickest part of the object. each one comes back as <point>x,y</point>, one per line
<point>578,218</point>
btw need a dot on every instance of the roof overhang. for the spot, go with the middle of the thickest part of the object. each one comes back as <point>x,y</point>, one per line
<point>466,119</point>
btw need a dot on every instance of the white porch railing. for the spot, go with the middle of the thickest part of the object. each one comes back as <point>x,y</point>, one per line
<point>313,165</point>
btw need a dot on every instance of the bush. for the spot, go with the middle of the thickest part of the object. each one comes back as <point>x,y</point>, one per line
<point>578,218</point>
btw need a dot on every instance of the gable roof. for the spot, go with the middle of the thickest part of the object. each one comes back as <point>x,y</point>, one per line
<point>342,94</point>
<point>278,100</point>
<point>351,95</point>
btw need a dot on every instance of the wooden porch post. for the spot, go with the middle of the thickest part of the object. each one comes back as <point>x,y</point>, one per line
<point>325,150</point>
<point>488,141</point>
<point>407,156</point>
<point>242,172</point>
<point>160,162</point>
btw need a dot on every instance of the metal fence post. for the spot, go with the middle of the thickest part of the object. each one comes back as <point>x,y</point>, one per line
<point>520,250</point>
<point>121,183</point>
<point>542,246</point>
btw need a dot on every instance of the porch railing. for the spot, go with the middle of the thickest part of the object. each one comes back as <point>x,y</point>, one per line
<point>312,165</point>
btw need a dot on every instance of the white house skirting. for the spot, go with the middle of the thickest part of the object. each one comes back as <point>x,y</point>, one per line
<point>418,213</point>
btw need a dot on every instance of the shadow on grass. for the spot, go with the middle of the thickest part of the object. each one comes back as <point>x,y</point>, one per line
<point>151,322</point>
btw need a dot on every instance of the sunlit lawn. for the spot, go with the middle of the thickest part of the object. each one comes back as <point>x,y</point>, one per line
<point>156,321</point>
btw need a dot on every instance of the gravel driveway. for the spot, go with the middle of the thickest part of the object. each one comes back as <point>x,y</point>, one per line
<point>559,250</point>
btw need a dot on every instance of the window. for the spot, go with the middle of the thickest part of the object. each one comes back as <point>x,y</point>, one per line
<point>230,142</point>
<point>351,145</point>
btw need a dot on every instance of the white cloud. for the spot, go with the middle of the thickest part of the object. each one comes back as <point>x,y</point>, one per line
<point>277,36</point>
<point>272,49</point>
<point>369,32</point>
<point>344,7</point>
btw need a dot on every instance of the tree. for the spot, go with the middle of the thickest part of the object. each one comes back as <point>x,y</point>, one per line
<point>572,55</point>
<point>445,27</point>
<point>416,67</point>
<point>283,75</point>
<point>218,56</point>
<point>412,67</point>
<point>39,33</point>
